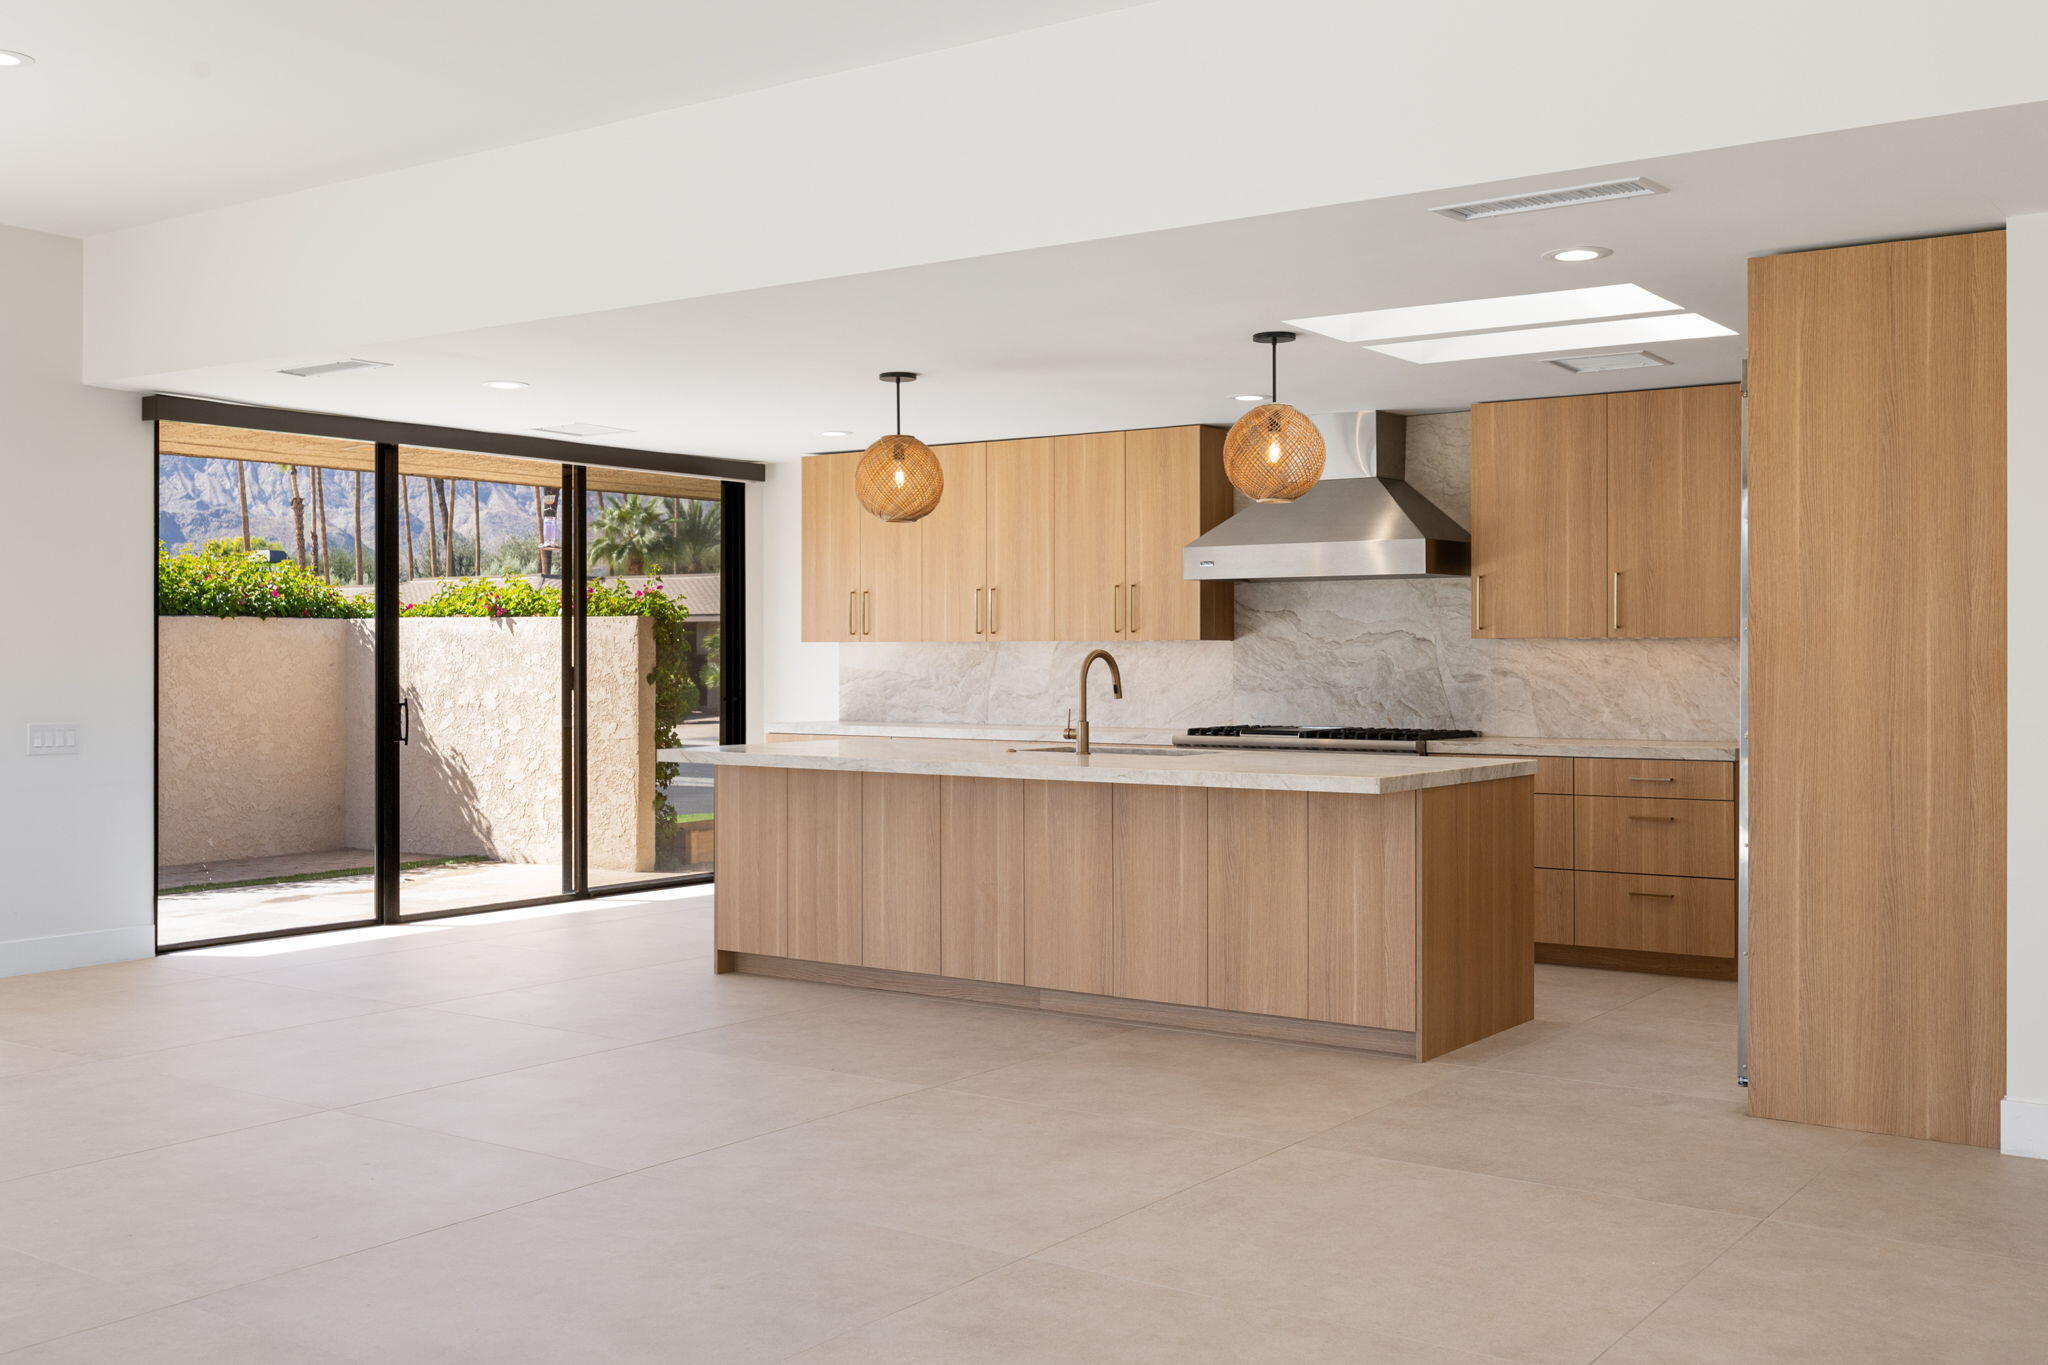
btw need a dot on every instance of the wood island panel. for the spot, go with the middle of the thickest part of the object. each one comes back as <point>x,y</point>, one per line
<point>1258,901</point>
<point>753,870</point>
<point>1069,871</point>
<point>982,910</point>
<point>825,876</point>
<point>901,872</point>
<point>1474,852</point>
<point>1362,909</point>
<point>1160,938</point>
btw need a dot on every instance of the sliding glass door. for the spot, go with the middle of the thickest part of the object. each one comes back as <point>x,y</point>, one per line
<point>400,681</point>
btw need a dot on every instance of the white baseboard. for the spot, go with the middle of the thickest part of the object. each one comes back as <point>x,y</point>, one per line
<point>2023,1127</point>
<point>59,951</point>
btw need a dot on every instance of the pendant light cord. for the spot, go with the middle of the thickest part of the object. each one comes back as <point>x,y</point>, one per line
<point>899,405</point>
<point>1273,394</point>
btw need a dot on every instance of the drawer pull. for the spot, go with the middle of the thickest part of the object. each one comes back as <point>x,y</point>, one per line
<point>1653,817</point>
<point>1653,779</point>
<point>1656,895</point>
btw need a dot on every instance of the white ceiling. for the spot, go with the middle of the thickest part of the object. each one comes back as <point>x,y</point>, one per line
<point>1154,329</point>
<point>138,110</point>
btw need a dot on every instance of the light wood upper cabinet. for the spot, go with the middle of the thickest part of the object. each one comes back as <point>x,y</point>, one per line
<point>1050,538</point>
<point>1174,490</point>
<point>831,548</point>
<point>1674,512</point>
<point>955,548</point>
<point>1608,516</point>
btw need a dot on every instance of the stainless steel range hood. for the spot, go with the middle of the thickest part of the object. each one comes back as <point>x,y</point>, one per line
<point>1363,520</point>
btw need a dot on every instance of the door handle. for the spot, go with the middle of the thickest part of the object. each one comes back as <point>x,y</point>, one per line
<point>995,615</point>
<point>853,611</point>
<point>980,612</point>
<point>1116,608</point>
<point>405,720</point>
<point>867,612</point>
<point>1131,615</point>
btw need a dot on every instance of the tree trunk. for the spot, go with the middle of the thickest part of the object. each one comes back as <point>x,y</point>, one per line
<point>298,516</point>
<point>242,495</point>
<point>433,532</point>
<point>447,525</point>
<point>359,528</point>
<point>476,516</point>
<point>540,531</point>
<point>412,568</point>
<point>323,552</point>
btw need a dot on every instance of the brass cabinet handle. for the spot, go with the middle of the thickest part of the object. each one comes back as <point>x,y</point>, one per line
<point>1653,817</point>
<point>1131,616</point>
<point>1656,895</point>
<point>853,611</point>
<point>867,612</point>
<point>1653,779</point>
<point>1614,602</point>
<point>994,615</point>
<point>1478,616</point>
<point>980,611</point>
<point>1116,608</point>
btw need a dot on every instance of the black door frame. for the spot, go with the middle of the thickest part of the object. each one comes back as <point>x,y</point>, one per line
<point>393,720</point>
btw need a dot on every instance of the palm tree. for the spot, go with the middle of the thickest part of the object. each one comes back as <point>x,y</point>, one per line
<point>242,496</point>
<point>359,529</point>
<point>298,513</point>
<point>695,536</point>
<point>631,530</point>
<point>476,517</point>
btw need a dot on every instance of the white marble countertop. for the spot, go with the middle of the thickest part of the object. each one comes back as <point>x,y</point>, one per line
<point>1268,769</point>
<point>1723,750</point>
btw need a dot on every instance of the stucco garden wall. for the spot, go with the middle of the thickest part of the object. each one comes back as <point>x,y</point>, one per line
<point>266,742</point>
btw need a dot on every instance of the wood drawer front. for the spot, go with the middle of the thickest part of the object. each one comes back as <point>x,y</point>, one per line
<point>1686,779</point>
<point>1690,915</point>
<point>1554,905</point>
<point>1553,831</point>
<point>1665,838</point>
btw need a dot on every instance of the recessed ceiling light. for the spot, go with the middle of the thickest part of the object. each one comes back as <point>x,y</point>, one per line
<point>15,58</point>
<point>1471,315</point>
<point>835,433</point>
<point>583,429</point>
<point>1535,340</point>
<point>1579,253</point>
<point>505,383</point>
<point>1249,397</point>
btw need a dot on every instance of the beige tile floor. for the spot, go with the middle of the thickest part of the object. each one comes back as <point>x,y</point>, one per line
<point>553,1135</point>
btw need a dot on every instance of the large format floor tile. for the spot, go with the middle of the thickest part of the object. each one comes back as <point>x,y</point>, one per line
<point>95,1110</point>
<point>16,1059</point>
<point>40,1300</point>
<point>430,975</point>
<point>635,1106</point>
<point>1937,1192</point>
<point>1032,1313</point>
<point>1685,1056</point>
<point>622,1273</point>
<point>1502,1267</point>
<point>208,1214</point>
<point>178,1336</point>
<point>989,1173</point>
<point>900,1037</point>
<point>103,1012</point>
<point>1572,995</point>
<point>1798,1296</point>
<point>347,1061</point>
<point>646,1003</point>
<point>1651,1144</point>
<point>1219,1085</point>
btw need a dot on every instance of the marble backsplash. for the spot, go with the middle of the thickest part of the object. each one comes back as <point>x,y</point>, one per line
<point>1388,652</point>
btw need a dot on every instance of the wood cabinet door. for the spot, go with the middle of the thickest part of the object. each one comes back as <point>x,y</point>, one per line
<point>901,872</point>
<point>753,861</point>
<point>1174,490</point>
<point>1650,835</point>
<point>824,836</point>
<point>1674,512</point>
<point>891,578</point>
<point>1068,870</point>
<point>1160,929</point>
<point>1690,915</point>
<point>1258,901</point>
<point>1022,520</point>
<point>1539,518</point>
<point>1554,911</point>
<point>1088,578</point>
<point>982,878</point>
<point>1361,909</point>
<point>831,548</point>
<point>955,548</point>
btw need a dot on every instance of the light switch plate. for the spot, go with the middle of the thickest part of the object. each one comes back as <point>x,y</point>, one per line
<point>48,738</point>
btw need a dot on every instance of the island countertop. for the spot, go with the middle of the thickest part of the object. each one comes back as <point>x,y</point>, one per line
<point>1369,774</point>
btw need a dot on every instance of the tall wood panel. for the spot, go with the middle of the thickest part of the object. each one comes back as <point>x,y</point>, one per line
<point>1362,909</point>
<point>1174,490</point>
<point>982,848</point>
<point>825,871</point>
<point>1476,933</point>
<point>902,860</point>
<point>1088,578</point>
<point>1539,518</point>
<point>831,548</point>
<point>955,548</point>
<point>1069,870</point>
<point>1160,938</point>
<point>1258,901</point>
<point>1023,540</point>
<point>751,911</point>
<point>1877,707</point>
<point>1674,512</point>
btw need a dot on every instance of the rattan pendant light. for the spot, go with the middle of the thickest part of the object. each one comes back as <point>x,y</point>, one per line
<point>898,478</point>
<point>1273,452</point>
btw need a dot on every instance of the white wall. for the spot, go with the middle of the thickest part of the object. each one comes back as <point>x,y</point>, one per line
<point>75,557</point>
<point>1158,116</point>
<point>2026,928</point>
<point>786,678</point>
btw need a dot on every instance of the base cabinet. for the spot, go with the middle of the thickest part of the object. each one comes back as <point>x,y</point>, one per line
<point>1405,919</point>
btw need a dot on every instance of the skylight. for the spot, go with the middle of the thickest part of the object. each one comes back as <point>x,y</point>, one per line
<point>1536,340</point>
<point>1471,315</point>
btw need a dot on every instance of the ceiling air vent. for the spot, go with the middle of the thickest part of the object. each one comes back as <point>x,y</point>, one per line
<point>1619,360</point>
<point>583,429</point>
<point>337,367</point>
<point>1633,188</point>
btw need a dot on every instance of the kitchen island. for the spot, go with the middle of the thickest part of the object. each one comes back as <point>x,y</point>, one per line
<point>1374,901</point>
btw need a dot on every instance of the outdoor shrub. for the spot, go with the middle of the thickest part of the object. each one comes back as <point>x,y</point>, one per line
<point>221,580</point>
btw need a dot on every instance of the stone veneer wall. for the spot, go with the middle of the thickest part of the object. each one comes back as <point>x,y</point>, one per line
<point>1395,652</point>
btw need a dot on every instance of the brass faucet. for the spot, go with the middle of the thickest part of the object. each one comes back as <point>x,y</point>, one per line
<point>1078,731</point>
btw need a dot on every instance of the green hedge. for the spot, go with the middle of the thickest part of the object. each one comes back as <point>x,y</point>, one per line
<point>219,581</point>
